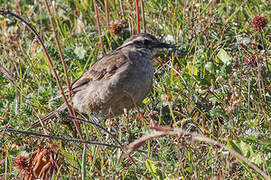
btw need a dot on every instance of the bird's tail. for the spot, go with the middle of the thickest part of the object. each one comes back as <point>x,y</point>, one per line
<point>49,116</point>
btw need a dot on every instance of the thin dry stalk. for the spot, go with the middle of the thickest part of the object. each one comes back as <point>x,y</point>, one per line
<point>60,138</point>
<point>80,140</point>
<point>143,15</point>
<point>30,26</point>
<point>121,9</point>
<point>164,131</point>
<point>265,50</point>
<point>65,139</point>
<point>108,132</point>
<point>141,141</point>
<point>99,26</point>
<point>5,71</point>
<point>70,107</point>
<point>106,13</point>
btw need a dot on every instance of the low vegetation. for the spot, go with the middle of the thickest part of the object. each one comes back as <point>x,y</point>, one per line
<point>216,86</point>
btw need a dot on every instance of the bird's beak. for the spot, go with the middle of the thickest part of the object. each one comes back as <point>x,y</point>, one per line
<point>163,45</point>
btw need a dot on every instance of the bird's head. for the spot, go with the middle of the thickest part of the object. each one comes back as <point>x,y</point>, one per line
<point>146,41</point>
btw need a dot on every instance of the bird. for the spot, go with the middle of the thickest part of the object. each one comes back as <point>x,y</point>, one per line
<point>117,81</point>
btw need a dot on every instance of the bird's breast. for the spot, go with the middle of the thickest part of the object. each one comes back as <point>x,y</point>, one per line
<point>141,78</point>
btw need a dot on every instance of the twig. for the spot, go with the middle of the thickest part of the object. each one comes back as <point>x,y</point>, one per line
<point>30,26</point>
<point>5,71</point>
<point>121,8</point>
<point>164,131</point>
<point>99,26</point>
<point>265,50</point>
<point>106,13</point>
<point>60,138</point>
<point>70,107</point>
<point>143,15</point>
<point>99,126</point>
<point>66,139</point>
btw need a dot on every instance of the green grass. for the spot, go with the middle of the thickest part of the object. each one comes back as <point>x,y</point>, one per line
<point>211,85</point>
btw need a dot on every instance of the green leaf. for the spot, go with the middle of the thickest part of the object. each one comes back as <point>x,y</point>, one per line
<point>209,66</point>
<point>256,159</point>
<point>43,64</point>
<point>80,52</point>
<point>235,147</point>
<point>150,166</point>
<point>224,57</point>
<point>246,149</point>
<point>83,165</point>
<point>146,100</point>
<point>67,155</point>
<point>193,70</point>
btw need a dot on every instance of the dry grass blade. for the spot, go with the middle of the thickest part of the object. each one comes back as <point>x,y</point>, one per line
<point>164,131</point>
<point>5,71</point>
<point>121,8</point>
<point>141,141</point>
<point>70,107</point>
<point>99,26</point>
<point>143,15</point>
<point>106,13</point>
<point>61,138</point>
<point>30,26</point>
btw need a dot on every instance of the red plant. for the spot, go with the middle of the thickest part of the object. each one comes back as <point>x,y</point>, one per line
<point>43,163</point>
<point>259,22</point>
<point>137,17</point>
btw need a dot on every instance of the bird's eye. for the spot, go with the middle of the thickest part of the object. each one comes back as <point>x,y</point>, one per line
<point>146,41</point>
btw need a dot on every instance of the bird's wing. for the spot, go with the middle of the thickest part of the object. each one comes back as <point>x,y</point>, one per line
<point>102,69</point>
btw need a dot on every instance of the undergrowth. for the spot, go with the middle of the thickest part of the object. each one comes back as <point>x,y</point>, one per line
<point>217,84</point>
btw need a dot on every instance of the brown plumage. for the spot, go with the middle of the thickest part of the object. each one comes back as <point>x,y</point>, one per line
<point>117,81</point>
